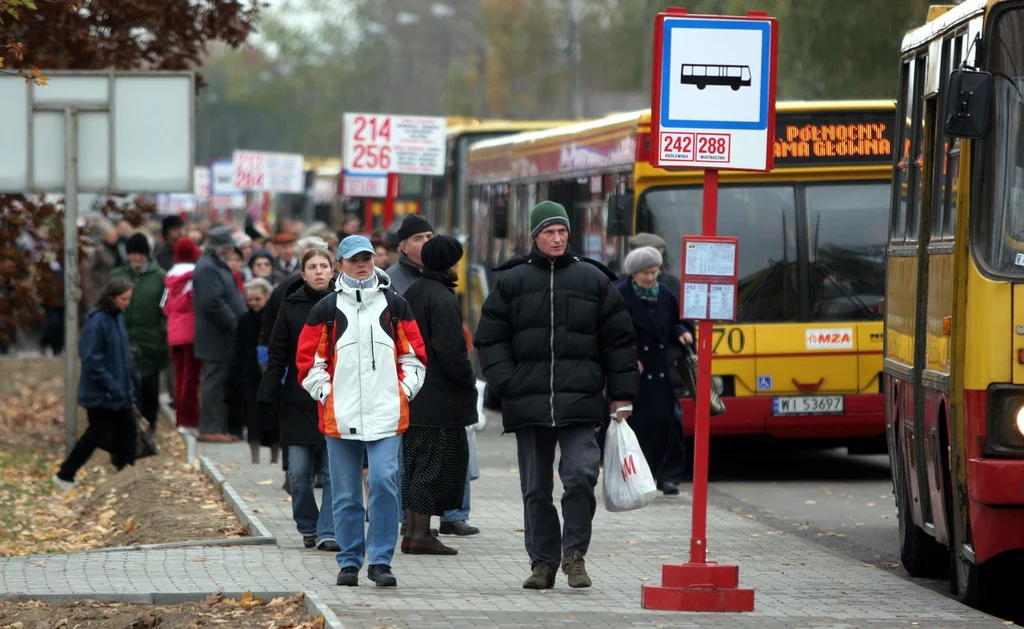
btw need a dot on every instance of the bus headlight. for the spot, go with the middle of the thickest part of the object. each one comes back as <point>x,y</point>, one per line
<point>1005,421</point>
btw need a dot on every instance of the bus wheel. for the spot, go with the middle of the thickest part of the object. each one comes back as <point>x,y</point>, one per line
<point>971,583</point>
<point>701,86</point>
<point>921,555</point>
<point>735,88</point>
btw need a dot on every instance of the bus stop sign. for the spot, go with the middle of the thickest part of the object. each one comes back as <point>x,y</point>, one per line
<point>713,92</point>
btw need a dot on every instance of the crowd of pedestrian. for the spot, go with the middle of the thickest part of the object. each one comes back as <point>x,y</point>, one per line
<point>350,361</point>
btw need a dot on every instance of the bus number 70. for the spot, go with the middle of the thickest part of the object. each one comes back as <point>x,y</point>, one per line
<point>734,339</point>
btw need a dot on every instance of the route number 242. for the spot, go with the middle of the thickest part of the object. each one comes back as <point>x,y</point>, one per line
<point>370,142</point>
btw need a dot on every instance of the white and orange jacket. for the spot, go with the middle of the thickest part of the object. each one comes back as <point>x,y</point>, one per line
<point>361,356</point>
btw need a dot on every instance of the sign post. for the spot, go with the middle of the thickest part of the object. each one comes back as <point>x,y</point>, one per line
<point>377,148</point>
<point>712,107</point>
<point>100,132</point>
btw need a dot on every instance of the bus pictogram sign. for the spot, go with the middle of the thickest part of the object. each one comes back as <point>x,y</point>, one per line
<point>713,96</point>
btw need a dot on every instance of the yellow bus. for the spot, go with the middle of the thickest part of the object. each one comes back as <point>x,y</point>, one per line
<point>803,360</point>
<point>954,312</point>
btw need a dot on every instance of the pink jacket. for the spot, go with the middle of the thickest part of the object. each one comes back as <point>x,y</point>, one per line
<point>177,305</point>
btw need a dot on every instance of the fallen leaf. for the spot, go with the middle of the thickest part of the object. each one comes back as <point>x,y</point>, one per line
<point>266,482</point>
<point>213,599</point>
<point>632,541</point>
<point>871,504</point>
<point>810,502</point>
<point>129,526</point>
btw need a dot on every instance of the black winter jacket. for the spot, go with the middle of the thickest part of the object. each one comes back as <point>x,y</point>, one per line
<point>299,421</point>
<point>554,336</point>
<point>448,396</point>
<point>290,284</point>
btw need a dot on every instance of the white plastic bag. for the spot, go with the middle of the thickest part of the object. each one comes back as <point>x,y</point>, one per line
<point>628,482</point>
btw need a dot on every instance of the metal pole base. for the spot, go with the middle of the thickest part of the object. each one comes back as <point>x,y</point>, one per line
<point>695,587</point>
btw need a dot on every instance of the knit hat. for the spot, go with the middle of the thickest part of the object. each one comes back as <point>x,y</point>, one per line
<point>642,258</point>
<point>260,253</point>
<point>544,215</point>
<point>171,222</point>
<point>220,239</point>
<point>412,225</point>
<point>241,239</point>
<point>185,250</point>
<point>137,243</point>
<point>441,253</point>
<point>644,239</point>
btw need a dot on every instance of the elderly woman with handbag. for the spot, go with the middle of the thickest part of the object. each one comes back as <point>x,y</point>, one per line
<point>657,417</point>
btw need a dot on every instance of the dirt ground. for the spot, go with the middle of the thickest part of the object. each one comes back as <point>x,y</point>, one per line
<point>155,501</point>
<point>247,612</point>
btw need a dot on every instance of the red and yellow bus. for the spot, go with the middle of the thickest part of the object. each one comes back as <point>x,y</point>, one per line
<point>803,360</point>
<point>954,312</point>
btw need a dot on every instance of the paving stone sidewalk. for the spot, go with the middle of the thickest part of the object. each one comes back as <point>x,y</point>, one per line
<point>797,583</point>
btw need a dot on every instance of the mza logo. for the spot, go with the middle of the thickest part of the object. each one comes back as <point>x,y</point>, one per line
<point>840,338</point>
<point>628,467</point>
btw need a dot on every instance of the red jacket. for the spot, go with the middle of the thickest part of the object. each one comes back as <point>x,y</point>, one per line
<point>177,305</point>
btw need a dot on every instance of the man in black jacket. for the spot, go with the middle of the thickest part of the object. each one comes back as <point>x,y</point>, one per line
<point>555,337</point>
<point>218,305</point>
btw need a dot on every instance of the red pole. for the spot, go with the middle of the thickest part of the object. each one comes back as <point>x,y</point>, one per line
<point>698,538</point>
<point>389,200</point>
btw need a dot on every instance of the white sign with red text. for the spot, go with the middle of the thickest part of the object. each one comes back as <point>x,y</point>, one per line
<point>375,144</point>
<point>837,338</point>
<point>201,179</point>
<point>268,172</point>
<point>355,185</point>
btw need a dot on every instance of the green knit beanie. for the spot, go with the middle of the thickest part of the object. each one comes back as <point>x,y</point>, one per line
<point>545,214</point>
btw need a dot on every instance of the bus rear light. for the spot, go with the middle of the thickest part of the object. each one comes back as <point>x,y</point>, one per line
<point>947,325</point>
<point>1020,356</point>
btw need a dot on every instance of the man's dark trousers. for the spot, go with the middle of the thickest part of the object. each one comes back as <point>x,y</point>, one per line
<point>578,468</point>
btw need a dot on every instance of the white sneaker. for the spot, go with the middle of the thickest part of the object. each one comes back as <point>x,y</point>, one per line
<point>63,485</point>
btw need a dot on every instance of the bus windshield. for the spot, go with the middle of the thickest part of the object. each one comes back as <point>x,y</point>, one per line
<point>999,231</point>
<point>845,232</point>
<point>764,220</point>
<point>846,227</point>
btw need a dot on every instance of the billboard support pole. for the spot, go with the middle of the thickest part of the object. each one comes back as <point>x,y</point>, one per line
<point>389,201</point>
<point>70,277</point>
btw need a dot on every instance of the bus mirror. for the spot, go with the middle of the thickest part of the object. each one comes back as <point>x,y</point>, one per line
<point>968,102</point>
<point>620,214</point>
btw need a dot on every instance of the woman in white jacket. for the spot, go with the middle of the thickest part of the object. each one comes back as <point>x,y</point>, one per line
<point>362,358</point>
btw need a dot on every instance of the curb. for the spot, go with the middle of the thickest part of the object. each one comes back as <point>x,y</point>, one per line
<point>241,509</point>
<point>314,605</point>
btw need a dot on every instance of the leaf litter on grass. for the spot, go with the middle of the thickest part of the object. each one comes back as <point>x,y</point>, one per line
<point>154,501</point>
<point>247,612</point>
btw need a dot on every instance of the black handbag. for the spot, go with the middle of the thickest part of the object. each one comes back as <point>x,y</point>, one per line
<point>145,443</point>
<point>687,368</point>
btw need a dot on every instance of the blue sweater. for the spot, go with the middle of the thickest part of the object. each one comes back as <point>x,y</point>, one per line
<point>107,378</point>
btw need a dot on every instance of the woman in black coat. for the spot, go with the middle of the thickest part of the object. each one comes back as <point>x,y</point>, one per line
<point>657,417</point>
<point>298,418</point>
<point>435,448</point>
<point>247,374</point>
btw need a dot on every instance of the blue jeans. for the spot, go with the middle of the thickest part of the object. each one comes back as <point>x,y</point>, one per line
<point>346,461</point>
<point>401,479</point>
<point>459,515</point>
<point>308,518</point>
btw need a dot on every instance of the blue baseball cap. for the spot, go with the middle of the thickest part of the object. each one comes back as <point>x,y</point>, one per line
<point>353,245</point>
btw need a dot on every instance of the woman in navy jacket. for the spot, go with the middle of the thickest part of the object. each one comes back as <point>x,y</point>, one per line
<point>657,417</point>
<point>106,386</point>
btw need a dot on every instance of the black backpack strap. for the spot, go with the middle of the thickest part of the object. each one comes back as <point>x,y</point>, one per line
<point>330,303</point>
<point>390,298</point>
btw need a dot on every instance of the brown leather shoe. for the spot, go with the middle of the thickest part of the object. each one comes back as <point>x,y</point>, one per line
<point>405,545</point>
<point>432,546</point>
<point>213,437</point>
